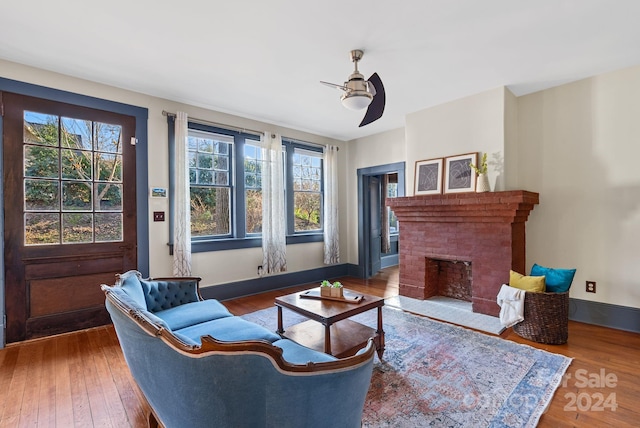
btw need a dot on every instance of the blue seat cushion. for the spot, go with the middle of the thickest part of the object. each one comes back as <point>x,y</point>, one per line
<point>193,313</point>
<point>229,329</point>
<point>297,354</point>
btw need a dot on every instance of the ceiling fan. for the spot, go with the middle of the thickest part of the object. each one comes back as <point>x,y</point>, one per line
<point>360,93</point>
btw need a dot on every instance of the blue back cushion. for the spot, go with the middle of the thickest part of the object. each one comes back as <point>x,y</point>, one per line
<point>135,307</point>
<point>557,280</point>
<point>162,295</point>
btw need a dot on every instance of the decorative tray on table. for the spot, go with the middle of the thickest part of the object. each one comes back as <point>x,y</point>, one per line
<point>347,296</point>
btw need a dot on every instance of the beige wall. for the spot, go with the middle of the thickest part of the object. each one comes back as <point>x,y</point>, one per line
<point>471,124</point>
<point>379,149</point>
<point>579,148</point>
<point>214,267</point>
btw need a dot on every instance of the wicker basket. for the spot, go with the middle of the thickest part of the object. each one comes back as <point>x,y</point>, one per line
<point>546,318</point>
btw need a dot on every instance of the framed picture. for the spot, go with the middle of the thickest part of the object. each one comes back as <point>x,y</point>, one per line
<point>459,176</point>
<point>428,177</point>
<point>158,192</point>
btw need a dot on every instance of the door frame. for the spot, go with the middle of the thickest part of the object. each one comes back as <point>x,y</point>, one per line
<point>364,241</point>
<point>142,176</point>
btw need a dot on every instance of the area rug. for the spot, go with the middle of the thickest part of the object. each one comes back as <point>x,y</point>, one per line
<point>447,309</point>
<point>439,375</point>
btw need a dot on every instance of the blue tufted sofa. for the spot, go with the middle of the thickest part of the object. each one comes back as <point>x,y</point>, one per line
<point>199,366</point>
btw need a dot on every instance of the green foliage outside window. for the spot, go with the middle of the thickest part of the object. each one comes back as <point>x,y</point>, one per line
<point>71,165</point>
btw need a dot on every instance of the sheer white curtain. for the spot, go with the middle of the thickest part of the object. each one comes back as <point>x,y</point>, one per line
<point>331,232</point>
<point>182,214</point>
<point>274,226</point>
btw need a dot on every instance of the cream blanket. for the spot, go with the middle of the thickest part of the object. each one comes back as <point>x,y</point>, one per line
<point>511,302</point>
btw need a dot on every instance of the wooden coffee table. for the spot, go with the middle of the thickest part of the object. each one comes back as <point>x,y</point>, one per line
<point>328,329</point>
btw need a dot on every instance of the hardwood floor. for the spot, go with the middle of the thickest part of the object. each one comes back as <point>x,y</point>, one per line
<point>81,379</point>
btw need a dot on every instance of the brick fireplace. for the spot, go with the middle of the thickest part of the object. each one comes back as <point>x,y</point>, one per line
<point>480,235</point>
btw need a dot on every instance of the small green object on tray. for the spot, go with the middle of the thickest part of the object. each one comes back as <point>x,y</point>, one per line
<point>319,293</point>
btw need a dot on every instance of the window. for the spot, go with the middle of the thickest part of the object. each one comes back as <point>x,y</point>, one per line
<point>210,179</point>
<point>225,173</point>
<point>307,190</point>
<point>253,160</point>
<point>392,192</point>
<point>72,180</point>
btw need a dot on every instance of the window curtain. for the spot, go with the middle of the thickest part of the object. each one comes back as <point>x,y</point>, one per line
<point>274,226</point>
<point>384,218</point>
<point>331,232</point>
<point>182,214</point>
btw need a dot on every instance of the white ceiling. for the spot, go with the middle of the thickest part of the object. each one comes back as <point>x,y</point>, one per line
<point>263,59</point>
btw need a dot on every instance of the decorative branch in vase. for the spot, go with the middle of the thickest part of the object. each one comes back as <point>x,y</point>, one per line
<point>482,182</point>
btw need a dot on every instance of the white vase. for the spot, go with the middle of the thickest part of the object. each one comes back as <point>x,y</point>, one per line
<point>482,183</point>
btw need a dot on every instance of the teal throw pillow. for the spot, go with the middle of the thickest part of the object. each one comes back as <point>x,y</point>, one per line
<point>557,280</point>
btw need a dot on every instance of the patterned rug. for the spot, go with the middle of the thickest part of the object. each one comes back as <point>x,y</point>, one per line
<point>439,375</point>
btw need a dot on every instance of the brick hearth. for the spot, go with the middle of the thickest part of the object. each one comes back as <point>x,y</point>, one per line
<point>486,230</point>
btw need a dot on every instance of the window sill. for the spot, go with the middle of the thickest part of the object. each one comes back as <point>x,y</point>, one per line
<point>204,246</point>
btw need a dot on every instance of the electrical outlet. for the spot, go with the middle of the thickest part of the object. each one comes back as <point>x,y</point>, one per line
<point>260,271</point>
<point>158,216</point>
<point>591,286</point>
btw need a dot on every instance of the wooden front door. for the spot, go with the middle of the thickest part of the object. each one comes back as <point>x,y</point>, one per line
<point>70,212</point>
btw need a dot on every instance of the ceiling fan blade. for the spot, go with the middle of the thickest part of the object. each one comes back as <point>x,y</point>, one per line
<point>376,108</point>
<point>334,85</point>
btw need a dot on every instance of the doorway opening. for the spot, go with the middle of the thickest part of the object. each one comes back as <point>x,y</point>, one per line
<point>377,226</point>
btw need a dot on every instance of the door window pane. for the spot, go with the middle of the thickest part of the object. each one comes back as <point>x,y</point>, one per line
<point>108,227</point>
<point>41,162</point>
<point>41,195</point>
<point>77,228</point>
<point>41,129</point>
<point>76,133</point>
<point>41,228</point>
<point>108,138</point>
<point>76,196</point>
<point>108,167</point>
<point>76,164</point>
<point>108,196</point>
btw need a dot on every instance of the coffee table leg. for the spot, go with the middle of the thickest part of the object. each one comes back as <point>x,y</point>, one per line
<point>327,339</point>
<point>280,329</point>
<point>380,333</point>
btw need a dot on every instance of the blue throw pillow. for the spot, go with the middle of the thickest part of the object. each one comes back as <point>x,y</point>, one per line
<point>557,280</point>
<point>130,284</point>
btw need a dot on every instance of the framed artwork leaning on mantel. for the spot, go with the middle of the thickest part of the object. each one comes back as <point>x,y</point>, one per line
<point>459,177</point>
<point>428,177</point>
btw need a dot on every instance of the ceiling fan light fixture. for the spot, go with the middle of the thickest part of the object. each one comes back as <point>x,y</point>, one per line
<point>356,100</point>
<point>360,94</point>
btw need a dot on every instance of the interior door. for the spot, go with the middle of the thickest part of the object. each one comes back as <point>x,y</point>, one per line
<point>375,241</point>
<point>70,212</point>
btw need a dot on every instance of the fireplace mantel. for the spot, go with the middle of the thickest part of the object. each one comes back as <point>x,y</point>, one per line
<point>485,229</point>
